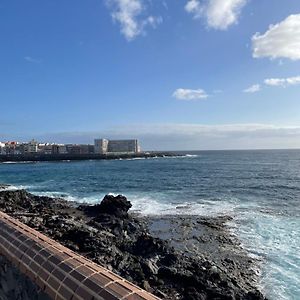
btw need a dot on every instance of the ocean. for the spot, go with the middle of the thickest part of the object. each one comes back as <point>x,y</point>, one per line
<point>260,189</point>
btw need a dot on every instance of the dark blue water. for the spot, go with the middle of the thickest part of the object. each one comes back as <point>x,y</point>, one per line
<point>261,189</point>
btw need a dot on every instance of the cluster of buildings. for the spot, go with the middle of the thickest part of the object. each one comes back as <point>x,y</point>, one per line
<point>101,146</point>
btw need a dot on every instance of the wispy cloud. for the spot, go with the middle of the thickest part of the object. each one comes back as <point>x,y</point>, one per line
<point>282,40</point>
<point>132,17</point>
<point>188,94</point>
<point>32,60</point>
<point>193,136</point>
<point>283,82</point>
<point>219,14</point>
<point>218,91</point>
<point>253,89</point>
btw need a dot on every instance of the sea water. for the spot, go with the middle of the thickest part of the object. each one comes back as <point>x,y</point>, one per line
<point>260,189</point>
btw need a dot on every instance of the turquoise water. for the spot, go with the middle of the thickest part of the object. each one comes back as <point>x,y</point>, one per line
<point>261,189</point>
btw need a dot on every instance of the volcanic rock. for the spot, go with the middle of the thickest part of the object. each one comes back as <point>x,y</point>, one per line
<point>107,234</point>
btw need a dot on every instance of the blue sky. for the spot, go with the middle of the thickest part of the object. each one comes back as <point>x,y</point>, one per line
<point>184,74</point>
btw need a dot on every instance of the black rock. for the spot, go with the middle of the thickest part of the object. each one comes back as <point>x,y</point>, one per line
<point>113,205</point>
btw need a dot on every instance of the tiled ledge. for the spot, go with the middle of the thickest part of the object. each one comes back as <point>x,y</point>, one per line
<point>58,271</point>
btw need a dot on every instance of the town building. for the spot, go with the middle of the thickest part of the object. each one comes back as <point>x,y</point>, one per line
<point>10,148</point>
<point>62,149</point>
<point>101,146</point>
<point>104,146</point>
<point>2,149</point>
<point>73,149</point>
<point>31,147</point>
<point>48,149</point>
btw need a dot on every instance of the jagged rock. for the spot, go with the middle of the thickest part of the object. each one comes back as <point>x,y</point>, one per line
<point>108,235</point>
<point>112,205</point>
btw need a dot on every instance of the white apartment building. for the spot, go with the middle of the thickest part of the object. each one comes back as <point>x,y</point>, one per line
<point>31,147</point>
<point>2,149</point>
<point>103,146</point>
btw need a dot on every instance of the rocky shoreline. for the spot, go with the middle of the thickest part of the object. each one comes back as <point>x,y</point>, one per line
<point>38,157</point>
<point>172,257</point>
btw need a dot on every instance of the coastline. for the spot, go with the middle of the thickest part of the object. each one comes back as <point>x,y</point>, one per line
<point>175,258</point>
<point>77,157</point>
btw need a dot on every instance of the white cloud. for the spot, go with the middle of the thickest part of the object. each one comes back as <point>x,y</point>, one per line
<point>275,81</point>
<point>253,89</point>
<point>188,94</point>
<point>282,40</point>
<point>194,7</point>
<point>293,80</point>
<point>219,14</point>
<point>283,82</point>
<point>32,60</point>
<point>129,13</point>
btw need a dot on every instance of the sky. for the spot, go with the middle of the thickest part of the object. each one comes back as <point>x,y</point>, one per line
<point>177,75</point>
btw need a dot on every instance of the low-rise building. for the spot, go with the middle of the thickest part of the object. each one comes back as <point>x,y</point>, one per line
<point>86,149</point>
<point>2,149</point>
<point>48,149</point>
<point>10,148</point>
<point>62,149</point>
<point>73,149</point>
<point>31,147</point>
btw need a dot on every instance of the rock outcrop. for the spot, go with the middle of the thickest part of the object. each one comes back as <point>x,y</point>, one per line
<point>110,236</point>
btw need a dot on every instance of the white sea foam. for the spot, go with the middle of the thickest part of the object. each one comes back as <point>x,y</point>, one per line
<point>18,162</point>
<point>69,197</point>
<point>134,158</point>
<point>150,206</point>
<point>182,156</point>
<point>191,155</point>
<point>275,240</point>
<point>16,187</point>
<point>147,205</point>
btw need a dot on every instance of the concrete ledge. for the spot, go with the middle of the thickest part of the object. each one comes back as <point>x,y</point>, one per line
<point>58,271</point>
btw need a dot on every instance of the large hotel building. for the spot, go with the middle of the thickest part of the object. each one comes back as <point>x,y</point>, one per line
<point>104,146</point>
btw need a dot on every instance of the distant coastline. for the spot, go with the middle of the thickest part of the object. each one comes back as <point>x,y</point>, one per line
<point>73,157</point>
